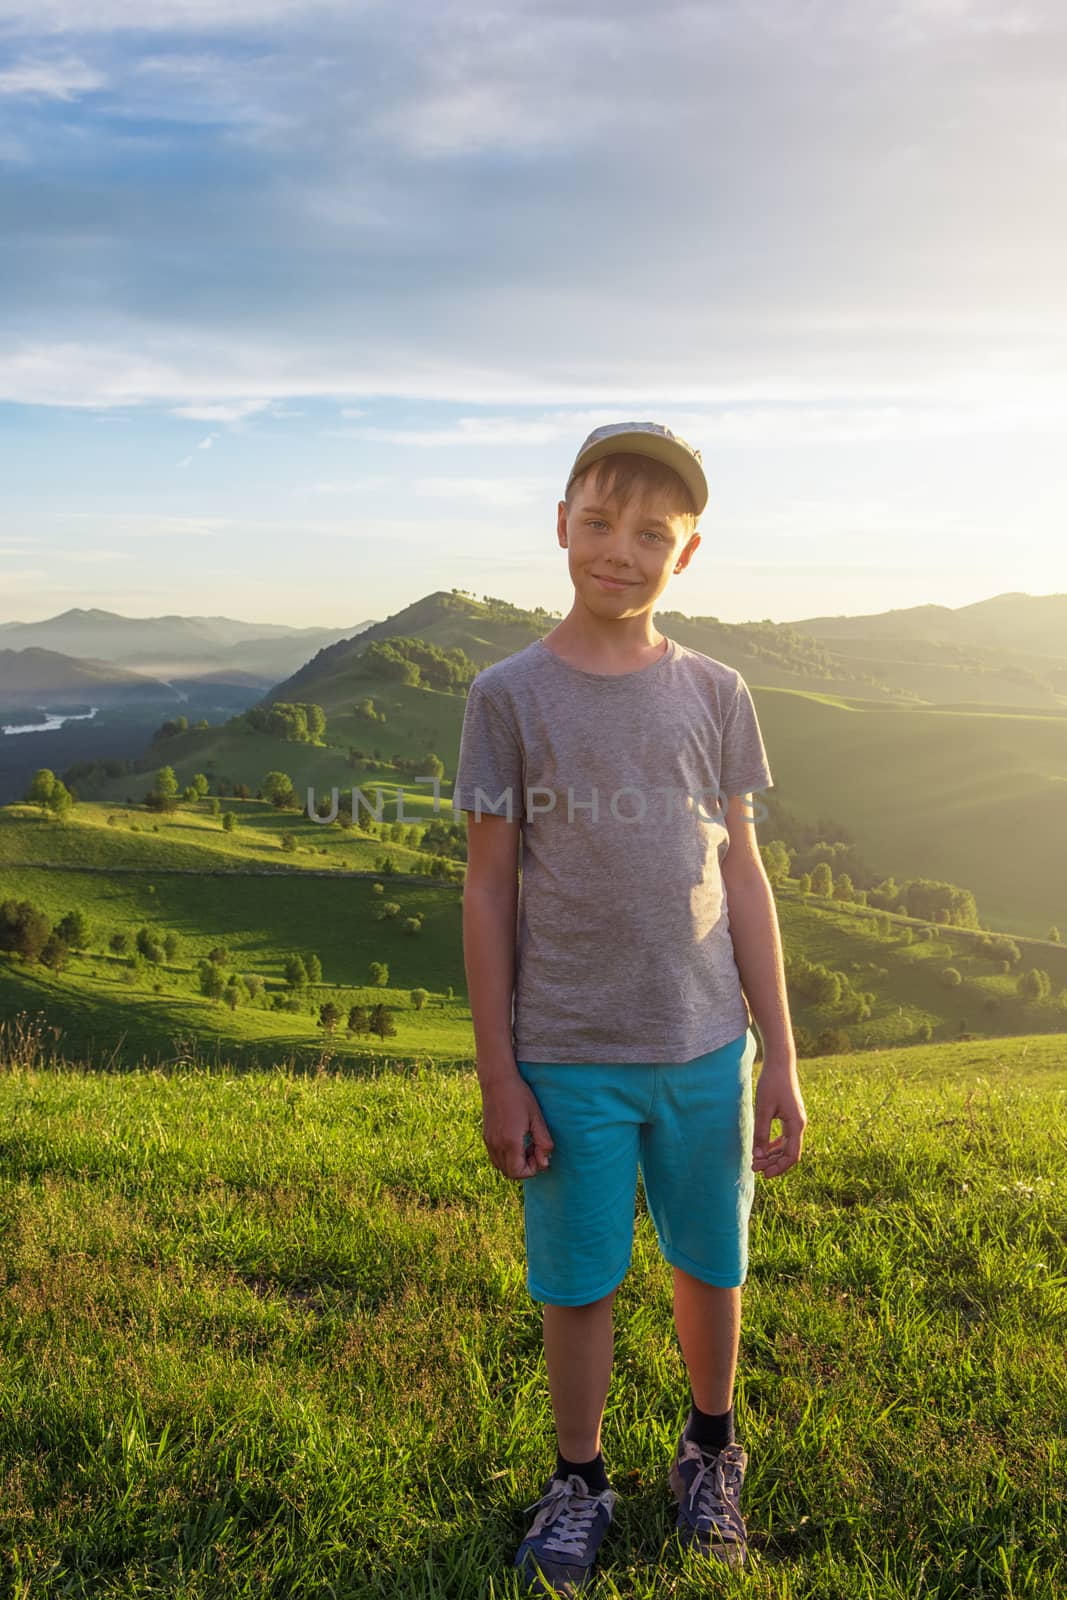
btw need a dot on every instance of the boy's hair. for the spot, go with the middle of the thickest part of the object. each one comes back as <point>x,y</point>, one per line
<point>623,475</point>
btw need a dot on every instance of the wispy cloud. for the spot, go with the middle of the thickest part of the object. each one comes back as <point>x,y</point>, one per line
<point>482,491</point>
<point>228,411</point>
<point>56,78</point>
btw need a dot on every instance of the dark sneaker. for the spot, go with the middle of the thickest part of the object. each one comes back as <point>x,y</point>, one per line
<point>707,1487</point>
<point>559,1550</point>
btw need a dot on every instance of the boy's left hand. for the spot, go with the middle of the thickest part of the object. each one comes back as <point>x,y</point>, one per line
<point>777,1096</point>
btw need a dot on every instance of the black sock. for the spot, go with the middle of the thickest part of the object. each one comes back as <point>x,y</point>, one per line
<point>594,1472</point>
<point>710,1430</point>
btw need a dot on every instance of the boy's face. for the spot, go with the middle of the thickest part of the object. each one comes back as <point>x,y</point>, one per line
<point>642,545</point>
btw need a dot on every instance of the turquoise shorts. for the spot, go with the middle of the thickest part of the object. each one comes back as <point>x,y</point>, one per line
<point>688,1127</point>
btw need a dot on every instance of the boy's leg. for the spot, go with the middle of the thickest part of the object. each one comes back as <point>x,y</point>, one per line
<point>697,1162</point>
<point>579,1345</point>
<point>579,1217</point>
<point>708,1320</point>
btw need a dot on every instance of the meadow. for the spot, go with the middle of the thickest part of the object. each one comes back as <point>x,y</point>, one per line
<point>181,873</point>
<point>266,1333</point>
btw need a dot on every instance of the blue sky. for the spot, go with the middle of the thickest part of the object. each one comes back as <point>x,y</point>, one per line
<point>305,307</point>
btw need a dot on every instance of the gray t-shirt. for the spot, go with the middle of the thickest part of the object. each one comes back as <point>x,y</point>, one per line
<point>623,947</point>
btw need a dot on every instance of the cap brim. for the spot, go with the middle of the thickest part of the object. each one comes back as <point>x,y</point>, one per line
<point>671,454</point>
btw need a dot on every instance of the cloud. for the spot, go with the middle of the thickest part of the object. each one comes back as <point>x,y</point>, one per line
<point>361,485</point>
<point>95,557</point>
<point>162,16</point>
<point>59,78</point>
<point>857,209</point>
<point>150,524</point>
<point>206,444</point>
<point>483,491</point>
<point>232,411</point>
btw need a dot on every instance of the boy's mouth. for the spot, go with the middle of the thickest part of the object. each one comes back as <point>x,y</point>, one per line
<point>613,583</point>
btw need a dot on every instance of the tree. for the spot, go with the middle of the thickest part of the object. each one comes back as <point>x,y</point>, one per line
<point>119,944</point>
<point>419,998</point>
<point>314,968</point>
<point>253,984</point>
<point>358,1020</point>
<point>289,843</point>
<point>166,783</point>
<point>296,975</point>
<point>229,821</point>
<point>316,720</point>
<point>278,791</point>
<point>412,925</point>
<point>382,1023</point>
<point>73,929</point>
<point>200,784</point>
<point>212,982</point>
<point>1034,984</point>
<point>219,955</point>
<point>213,807</point>
<point>329,1016</point>
<point>822,880</point>
<point>379,974</point>
<point>62,801</point>
<point>232,992</point>
<point>54,952</point>
<point>171,945</point>
<point>776,861</point>
<point>41,786</point>
<point>24,929</point>
<point>150,946</point>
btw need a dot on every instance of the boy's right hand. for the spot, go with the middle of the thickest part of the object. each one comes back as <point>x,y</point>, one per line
<point>510,1112</point>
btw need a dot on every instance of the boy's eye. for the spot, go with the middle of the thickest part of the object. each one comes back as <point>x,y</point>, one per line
<point>595,522</point>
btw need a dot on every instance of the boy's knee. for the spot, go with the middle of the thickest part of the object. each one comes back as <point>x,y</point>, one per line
<point>588,1307</point>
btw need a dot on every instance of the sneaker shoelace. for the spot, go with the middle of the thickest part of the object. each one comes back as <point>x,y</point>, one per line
<point>572,1509</point>
<point>715,1491</point>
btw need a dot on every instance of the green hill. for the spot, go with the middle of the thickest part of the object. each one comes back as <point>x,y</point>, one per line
<point>884,980</point>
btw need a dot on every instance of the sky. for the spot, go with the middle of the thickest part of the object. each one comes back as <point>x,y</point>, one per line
<point>307,305</point>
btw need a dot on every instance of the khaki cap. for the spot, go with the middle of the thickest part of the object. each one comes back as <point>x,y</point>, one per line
<point>646,439</point>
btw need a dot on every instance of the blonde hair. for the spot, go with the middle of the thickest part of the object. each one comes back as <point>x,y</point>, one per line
<point>623,475</point>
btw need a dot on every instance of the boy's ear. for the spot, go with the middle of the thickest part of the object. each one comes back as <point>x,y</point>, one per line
<point>688,550</point>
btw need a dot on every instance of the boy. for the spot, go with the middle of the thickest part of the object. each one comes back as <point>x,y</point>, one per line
<point>610,1025</point>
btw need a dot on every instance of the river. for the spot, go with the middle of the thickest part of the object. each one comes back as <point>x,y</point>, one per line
<point>55,720</point>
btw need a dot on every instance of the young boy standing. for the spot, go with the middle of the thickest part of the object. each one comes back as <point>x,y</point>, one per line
<point>608,989</point>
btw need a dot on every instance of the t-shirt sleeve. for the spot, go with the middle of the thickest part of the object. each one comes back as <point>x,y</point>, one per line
<point>744,767</point>
<point>489,773</point>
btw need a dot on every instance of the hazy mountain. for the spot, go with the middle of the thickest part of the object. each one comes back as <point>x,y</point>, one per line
<point>32,677</point>
<point>868,658</point>
<point>175,646</point>
<point>1009,650</point>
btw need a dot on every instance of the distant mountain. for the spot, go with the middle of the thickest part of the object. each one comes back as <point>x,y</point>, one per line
<point>43,678</point>
<point>1008,650</point>
<point>177,647</point>
<point>488,629</point>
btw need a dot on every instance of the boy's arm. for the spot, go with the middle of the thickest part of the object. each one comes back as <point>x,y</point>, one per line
<point>490,902</point>
<point>758,952</point>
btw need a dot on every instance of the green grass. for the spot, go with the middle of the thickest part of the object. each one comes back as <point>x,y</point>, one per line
<point>242,891</point>
<point>266,1334</point>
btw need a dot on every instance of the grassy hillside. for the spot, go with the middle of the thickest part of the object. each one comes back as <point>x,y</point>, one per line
<point>275,1332</point>
<point>934,789</point>
<point>977,799</point>
<point>183,875</point>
